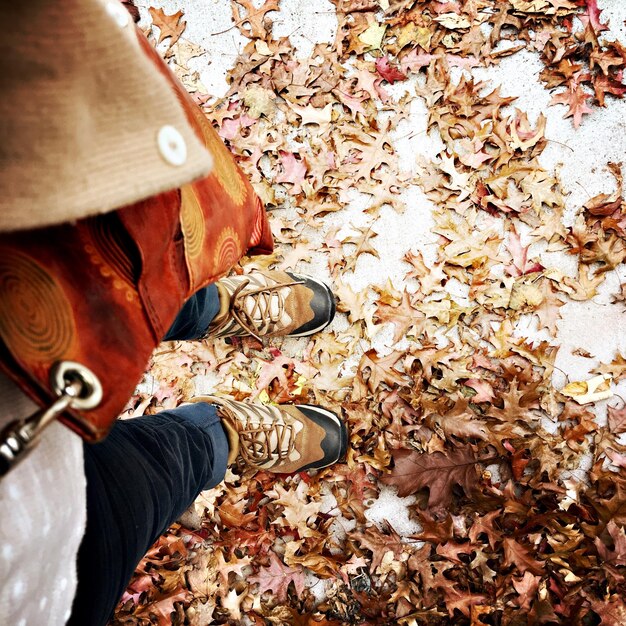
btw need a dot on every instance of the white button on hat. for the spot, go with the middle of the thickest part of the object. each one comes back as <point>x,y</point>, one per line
<point>172,146</point>
<point>119,14</point>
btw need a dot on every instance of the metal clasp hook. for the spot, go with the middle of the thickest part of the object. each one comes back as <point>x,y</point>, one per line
<point>76,386</point>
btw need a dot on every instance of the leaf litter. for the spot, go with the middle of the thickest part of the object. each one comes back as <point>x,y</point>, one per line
<point>518,489</point>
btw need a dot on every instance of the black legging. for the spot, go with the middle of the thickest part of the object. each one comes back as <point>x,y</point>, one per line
<point>141,478</point>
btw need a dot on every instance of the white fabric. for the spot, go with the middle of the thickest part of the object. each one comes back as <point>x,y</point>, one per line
<point>42,522</point>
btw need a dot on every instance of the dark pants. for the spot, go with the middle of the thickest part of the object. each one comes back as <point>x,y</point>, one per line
<point>141,478</point>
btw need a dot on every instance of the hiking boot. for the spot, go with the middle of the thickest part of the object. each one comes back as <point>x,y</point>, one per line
<point>272,303</point>
<point>284,439</point>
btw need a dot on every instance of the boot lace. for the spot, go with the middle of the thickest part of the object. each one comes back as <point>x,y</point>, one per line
<point>260,443</point>
<point>261,318</point>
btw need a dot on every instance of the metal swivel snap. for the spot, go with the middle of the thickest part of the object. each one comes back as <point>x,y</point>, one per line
<point>76,386</point>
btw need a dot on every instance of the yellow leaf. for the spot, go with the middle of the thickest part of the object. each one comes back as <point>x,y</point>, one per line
<point>373,36</point>
<point>592,390</point>
<point>259,101</point>
<point>299,386</point>
<point>423,37</point>
<point>525,294</point>
<point>407,34</point>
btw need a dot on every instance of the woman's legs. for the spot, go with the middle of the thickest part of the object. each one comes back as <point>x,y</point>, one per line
<point>141,478</point>
<point>139,481</point>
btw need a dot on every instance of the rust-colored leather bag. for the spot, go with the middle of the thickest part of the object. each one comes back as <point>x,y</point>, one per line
<point>104,291</point>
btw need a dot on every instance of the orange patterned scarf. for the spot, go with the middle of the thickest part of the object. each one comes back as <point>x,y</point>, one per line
<point>103,291</point>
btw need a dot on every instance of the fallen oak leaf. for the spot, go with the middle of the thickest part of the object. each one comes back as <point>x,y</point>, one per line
<point>403,316</point>
<point>616,420</point>
<point>277,578</point>
<point>522,134</point>
<point>617,459</point>
<point>294,171</point>
<point>519,556</point>
<point>453,21</point>
<point>232,515</point>
<point>259,101</point>
<point>296,509</point>
<point>231,602</point>
<point>473,155</point>
<point>323,566</point>
<point>617,554</point>
<point>484,524</point>
<point>520,265</point>
<point>363,243</point>
<point>373,35</point>
<point>354,103</point>
<point>430,278</point>
<point>415,61</point>
<point>451,550</point>
<point>592,16</point>
<point>169,25</point>
<point>463,601</point>
<point>549,309</point>
<point>380,542</point>
<point>606,84</point>
<point>607,249</point>
<point>139,585</point>
<point>526,588</point>
<point>616,369</point>
<point>313,115</point>
<point>439,471</point>
<point>255,18</point>
<point>389,72</point>
<point>612,610</point>
<point>356,305</point>
<point>585,286</point>
<point>459,421</point>
<point>183,51</point>
<point>162,606</point>
<point>411,33</point>
<point>605,204</point>
<point>279,368</point>
<point>483,389</point>
<point>525,294</point>
<point>200,613</point>
<point>380,369</point>
<point>202,578</point>
<point>576,99</point>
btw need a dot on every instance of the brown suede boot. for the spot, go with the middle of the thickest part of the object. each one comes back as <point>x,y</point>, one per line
<point>283,439</point>
<point>272,303</point>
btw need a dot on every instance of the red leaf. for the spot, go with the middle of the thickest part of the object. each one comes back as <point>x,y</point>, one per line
<point>276,578</point>
<point>592,16</point>
<point>521,265</point>
<point>576,99</point>
<point>294,171</point>
<point>389,72</point>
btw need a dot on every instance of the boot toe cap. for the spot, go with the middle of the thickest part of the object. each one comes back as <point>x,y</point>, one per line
<point>335,443</point>
<point>323,306</point>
